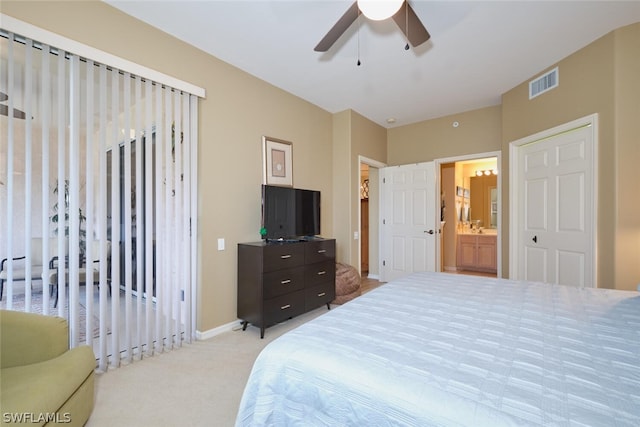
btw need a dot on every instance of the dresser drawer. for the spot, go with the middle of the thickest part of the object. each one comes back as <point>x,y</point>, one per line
<point>283,281</point>
<point>320,272</point>
<point>320,250</point>
<point>283,307</point>
<point>319,295</point>
<point>283,255</point>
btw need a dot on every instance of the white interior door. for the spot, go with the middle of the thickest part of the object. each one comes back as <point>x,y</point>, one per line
<point>408,220</point>
<point>556,209</point>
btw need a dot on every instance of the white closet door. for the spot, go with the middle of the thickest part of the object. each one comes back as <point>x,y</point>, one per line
<point>556,209</point>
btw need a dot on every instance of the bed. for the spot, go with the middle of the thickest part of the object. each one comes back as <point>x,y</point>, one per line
<point>437,349</point>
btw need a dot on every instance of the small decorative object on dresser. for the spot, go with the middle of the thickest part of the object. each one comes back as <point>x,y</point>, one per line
<point>278,280</point>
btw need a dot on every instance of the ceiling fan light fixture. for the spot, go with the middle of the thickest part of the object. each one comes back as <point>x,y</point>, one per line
<point>378,10</point>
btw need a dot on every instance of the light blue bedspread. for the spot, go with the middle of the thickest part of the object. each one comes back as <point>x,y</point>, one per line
<point>452,350</point>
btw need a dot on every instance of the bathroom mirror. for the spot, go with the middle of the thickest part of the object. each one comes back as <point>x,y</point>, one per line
<point>484,200</point>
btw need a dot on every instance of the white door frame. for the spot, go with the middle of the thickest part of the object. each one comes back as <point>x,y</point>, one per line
<point>375,164</point>
<point>476,156</point>
<point>515,174</point>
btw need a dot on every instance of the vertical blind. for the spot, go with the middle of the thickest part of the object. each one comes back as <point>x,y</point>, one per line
<point>98,197</point>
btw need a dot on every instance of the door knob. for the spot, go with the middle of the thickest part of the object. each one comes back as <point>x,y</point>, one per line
<point>429,231</point>
<point>535,239</point>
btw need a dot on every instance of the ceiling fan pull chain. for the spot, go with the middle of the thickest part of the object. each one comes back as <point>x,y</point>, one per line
<point>406,24</point>
<point>359,21</point>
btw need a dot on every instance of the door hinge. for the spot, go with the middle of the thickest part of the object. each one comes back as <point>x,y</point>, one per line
<point>384,263</point>
<point>384,180</point>
<point>384,221</point>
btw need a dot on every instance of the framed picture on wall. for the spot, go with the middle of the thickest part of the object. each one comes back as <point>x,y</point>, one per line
<point>459,191</point>
<point>277,158</point>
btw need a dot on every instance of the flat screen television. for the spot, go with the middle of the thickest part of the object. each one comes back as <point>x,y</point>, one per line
<point>290,213</point>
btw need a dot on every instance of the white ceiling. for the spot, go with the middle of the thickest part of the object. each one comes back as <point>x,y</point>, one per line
<point>478,49</point>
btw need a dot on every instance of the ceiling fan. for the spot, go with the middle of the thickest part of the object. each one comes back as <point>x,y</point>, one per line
<point>400,10</point>
<point>4,109</point>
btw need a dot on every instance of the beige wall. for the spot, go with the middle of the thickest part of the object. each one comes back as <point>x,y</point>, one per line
<point>478,131</point>
<point>341,174</point>
<point>239,109</point>
<point>627,105</point>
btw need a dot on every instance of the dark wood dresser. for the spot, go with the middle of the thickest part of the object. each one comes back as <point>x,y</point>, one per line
<point>280,280</point>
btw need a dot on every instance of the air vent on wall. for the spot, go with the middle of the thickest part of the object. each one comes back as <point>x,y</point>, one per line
<point>544,83</point>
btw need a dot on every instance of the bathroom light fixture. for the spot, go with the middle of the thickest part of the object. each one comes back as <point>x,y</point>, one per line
<point>378,10</point>
<point>487,172</point>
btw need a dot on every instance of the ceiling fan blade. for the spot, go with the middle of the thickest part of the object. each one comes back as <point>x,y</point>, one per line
<point>339,28</point>
<point>417,33</point>
<point>3,96</point>
<point>17,114</point>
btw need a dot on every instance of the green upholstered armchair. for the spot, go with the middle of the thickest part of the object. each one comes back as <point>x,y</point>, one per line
<point>42,381</point>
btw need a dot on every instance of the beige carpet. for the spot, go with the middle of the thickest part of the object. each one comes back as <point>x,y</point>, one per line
<point>200,384</point>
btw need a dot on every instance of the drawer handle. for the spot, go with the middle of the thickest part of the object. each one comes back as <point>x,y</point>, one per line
<point>321,251</point>
<point>285,282</point>
<point>322,294</point>
<point>284,307</point>
<point>320,273</point>
<point>285,256</point>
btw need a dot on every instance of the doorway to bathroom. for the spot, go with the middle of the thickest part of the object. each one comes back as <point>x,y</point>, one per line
<point>470,214</point>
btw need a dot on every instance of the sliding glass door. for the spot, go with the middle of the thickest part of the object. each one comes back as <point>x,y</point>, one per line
<point>99,238</point>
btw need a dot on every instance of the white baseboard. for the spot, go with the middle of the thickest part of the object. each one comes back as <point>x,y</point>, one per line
<point>219,330</point>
